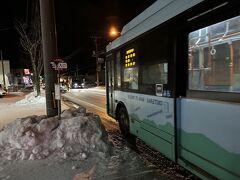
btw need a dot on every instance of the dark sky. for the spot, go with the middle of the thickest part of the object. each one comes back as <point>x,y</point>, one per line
<point>77,21</point>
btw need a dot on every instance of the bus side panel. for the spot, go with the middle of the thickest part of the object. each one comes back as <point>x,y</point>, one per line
<point>157,139</point>
<point>209,134</point>
<point>151,119</point>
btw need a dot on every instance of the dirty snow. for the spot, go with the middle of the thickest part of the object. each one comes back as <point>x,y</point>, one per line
<point>75,147</point>
<point>37,137</point>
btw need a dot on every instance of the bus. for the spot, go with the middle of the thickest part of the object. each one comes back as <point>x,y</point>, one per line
<point>173,80</point>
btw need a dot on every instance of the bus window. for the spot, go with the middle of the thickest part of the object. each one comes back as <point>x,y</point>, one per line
<point>153,61</point>
<point>214,57</point>
<point>153,74</point>
<point>131,78</point>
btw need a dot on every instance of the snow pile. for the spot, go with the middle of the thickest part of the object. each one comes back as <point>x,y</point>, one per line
<point>32,99</point>
<point>76,136</point>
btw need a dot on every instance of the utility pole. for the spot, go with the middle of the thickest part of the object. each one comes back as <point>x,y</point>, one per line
<point>4,83</point>
<point>49,43</point>
<point>95,38</point>
<point>77,72</point>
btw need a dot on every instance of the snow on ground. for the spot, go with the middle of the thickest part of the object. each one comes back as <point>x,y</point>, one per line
<point>37,137</point>
<point>22,108</point>
<point>30,99</point>
<point>29,105</point>
<point>75,147</point>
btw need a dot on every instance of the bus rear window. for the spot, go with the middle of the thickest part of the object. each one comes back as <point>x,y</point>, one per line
<point>214,57</point>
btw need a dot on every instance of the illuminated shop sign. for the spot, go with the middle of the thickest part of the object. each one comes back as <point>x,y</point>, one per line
<point>130,58</point>
<point>26,71</point>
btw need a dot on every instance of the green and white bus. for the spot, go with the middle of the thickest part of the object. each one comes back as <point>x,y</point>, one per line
<point>173,80</point>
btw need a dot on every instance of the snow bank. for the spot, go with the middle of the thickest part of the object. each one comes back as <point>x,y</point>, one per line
<point>31,99</point>
<point>77,135</point>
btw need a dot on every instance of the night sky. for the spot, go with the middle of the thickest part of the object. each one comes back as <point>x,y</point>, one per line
<point>76,21</point>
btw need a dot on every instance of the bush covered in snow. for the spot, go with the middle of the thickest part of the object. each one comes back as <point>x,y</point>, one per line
<point>36,137</point>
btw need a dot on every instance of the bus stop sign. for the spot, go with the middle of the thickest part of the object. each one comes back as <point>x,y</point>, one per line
<point>58,64</point>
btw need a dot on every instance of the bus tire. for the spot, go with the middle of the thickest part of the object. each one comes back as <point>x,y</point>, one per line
<point>124,125</point>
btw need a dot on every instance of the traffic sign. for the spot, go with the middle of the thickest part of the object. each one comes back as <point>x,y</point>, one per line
<point>58,64</point>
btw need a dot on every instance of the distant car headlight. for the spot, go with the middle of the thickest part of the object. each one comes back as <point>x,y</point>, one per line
<point>75,85</point>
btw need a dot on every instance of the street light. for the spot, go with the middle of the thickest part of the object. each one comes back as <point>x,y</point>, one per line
<point>113,32</point>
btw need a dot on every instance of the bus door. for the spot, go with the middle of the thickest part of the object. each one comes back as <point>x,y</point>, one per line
<point>208,111</point>
<point>110,84</point>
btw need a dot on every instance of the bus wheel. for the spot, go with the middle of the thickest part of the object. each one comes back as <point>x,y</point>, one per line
<point>124,125</point>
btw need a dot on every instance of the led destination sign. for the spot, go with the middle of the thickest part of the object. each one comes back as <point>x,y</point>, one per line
<point>130,58</point>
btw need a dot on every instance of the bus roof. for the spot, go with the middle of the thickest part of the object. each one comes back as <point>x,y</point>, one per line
<point>156,14</point>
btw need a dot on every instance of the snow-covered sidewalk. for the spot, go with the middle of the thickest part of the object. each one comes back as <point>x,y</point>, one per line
<point>75,147</point>
<point>29,105</point>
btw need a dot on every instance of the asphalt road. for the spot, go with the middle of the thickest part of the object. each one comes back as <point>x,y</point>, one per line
<point>94,98</point>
